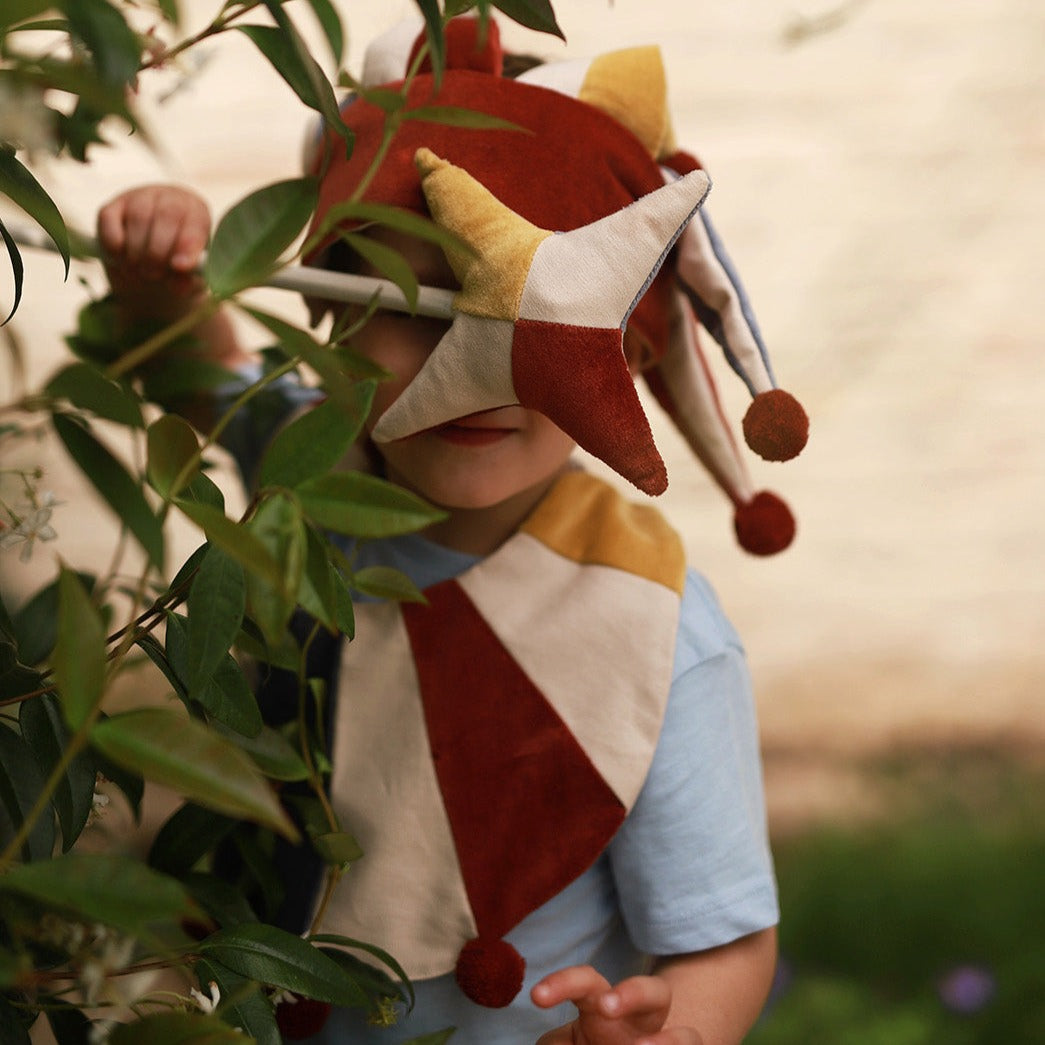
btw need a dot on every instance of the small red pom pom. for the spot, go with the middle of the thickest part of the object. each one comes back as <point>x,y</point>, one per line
<point>775,425</point>
<point>764,525</point>
<point>301,1018</point>
<point>490,971</point>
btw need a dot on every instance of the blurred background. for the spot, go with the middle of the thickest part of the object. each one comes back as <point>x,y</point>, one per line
<point>878,171</point>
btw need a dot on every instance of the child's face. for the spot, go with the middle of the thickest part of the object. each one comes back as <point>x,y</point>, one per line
<point>477,461</point>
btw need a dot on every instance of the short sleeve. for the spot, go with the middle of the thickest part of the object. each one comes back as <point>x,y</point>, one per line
<point>692,863</point>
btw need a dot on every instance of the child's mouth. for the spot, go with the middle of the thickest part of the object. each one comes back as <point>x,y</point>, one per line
<point>480,429</point>
<point>469,435</point>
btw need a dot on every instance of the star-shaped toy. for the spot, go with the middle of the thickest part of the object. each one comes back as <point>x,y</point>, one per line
<point>540,317</point>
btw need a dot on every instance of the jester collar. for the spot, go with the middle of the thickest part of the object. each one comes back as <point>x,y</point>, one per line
<point>489,745</point>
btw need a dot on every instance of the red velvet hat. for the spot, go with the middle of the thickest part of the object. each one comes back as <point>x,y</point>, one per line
<point>599,203</point>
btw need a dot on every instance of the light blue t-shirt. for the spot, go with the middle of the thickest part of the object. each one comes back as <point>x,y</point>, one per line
<point>689,869</point>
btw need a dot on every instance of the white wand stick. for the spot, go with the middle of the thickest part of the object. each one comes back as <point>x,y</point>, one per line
<point>313,282</point>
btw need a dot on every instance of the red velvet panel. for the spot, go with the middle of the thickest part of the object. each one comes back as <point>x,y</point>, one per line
<point>569,165</point>
<point>528,810</point>
<point>578,377</point>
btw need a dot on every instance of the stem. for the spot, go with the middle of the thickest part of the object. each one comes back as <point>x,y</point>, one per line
<point>392,122</point>
<point>334,875</point>
<point>219,25</point>
<point>147,349</point>
<point>306,749</point>
<point>212,437</point>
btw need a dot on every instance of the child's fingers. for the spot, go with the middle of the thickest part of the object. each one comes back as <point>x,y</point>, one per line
<point>637,996</point>
<point>158,228</point>
<point>580,984</point>
<point>673,1036</point>
<point>109,227</point>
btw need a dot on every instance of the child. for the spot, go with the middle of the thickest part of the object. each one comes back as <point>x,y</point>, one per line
<point>552,768</point>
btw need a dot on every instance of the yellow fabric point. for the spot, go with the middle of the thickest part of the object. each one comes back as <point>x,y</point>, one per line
<point>631,86</point>
<point>587,521</point>
<point>492,278</point>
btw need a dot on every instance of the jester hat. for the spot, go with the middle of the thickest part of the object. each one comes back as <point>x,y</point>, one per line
<point>583,221</point>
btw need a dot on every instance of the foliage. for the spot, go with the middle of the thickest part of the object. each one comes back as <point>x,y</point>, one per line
<point>75,923</point>
<point>922,929</point>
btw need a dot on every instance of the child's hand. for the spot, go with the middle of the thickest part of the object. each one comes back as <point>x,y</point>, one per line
<point>152,239</point>
<point>631,1013</point>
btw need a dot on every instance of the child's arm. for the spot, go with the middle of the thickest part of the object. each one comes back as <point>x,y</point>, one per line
<point>152,240</point>
<point>708,998</point>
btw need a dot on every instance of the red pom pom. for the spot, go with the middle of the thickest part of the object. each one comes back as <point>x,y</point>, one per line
<point>775,425</point>
<point>764,525</point>
<point>490,971</point>
<point>301,1018</point>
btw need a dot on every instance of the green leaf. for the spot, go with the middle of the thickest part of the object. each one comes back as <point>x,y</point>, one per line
<point>216,604</point>
<point>226,696</point>
<point>170,11</point>
<point>330,22</point>
<point>337,848</point>
<point>439,1037</point>
<point>87,388</point>
<point>22,189</point>
<point>15,11</point>
<point>12,1030</point>
<point>338,379</point>
<point>115,484</point>
<point>167,658</point>
<point>254,233</point>
<point>234,539</point>
<point>44,730</point>
<point>271,956</point>
<point>434,34</point>
<point>388,261</point>
<point>116,890</point>
<point>241,1005</point>
<point>316,441</point>
<point>278,525</point>
<point>68,1024</point>
<point>180,753</point>
<point>382,97</point>
<point>362,505</point>
<point>20,784</point>
<point>17,269</point>
<point>172,446</point>
<point>321,95</point>
<point>223,902</point>
<point>15,678</point>
<point>111,41</point>
<point>381,955</point>
<point>203,490</point>
<point>186,837</point>
<point>383,582</point>
<point>345,611</point>
<point>35,625</point>
<point>275,756</point>
<point>290,58</point>
<point>453,116</point>
<point>405,221</point>
<point>534,14</point>
<point>229,700</point>
<point>374,981</point>
<point>176,1028</point>
<point>79,653</point>
<point>317,593</point>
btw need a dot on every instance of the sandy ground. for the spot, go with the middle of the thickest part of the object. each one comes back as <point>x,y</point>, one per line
<point>879,185</point>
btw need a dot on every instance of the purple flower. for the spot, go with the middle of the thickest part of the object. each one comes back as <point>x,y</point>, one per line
<point>966,989</point>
